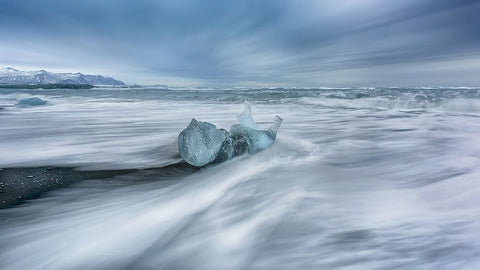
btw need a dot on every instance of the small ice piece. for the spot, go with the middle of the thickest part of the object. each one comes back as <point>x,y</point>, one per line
<point>27,102</point>
<point>200,142</point>
<point>256,139</point>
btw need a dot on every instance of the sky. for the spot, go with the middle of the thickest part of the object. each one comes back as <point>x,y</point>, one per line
<point>300,43</point>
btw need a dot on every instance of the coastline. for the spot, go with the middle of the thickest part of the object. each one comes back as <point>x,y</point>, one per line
<point>47,86</point>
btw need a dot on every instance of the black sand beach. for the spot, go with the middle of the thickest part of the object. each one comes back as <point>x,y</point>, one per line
<point>24,183</point>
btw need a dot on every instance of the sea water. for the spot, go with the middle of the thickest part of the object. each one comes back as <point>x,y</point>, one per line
<point>358,178</point>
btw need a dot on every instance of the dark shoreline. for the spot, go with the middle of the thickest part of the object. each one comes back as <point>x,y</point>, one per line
<point>47,86</point>
<point>18,184</point>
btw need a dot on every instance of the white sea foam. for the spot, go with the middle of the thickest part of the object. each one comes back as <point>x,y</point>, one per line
<point>357,179</point>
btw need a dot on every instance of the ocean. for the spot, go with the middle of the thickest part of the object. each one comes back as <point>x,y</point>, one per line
<point>358,178</point>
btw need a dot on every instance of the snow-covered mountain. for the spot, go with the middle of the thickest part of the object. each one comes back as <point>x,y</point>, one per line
<point>14,76</point>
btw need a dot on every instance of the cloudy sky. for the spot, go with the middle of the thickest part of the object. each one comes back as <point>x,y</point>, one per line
<point>248,42</point>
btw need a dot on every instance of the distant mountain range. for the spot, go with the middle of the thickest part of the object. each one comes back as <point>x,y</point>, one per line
<point>14,76</point>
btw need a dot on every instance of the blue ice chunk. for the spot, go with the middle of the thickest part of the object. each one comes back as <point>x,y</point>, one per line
<point>200,142</point>
<point>28,102</point>
<point>256,140</point>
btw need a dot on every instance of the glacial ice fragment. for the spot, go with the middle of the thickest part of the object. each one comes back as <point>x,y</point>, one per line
<point>256,140</point>
<point>27,102</point>
<point>201,143</point>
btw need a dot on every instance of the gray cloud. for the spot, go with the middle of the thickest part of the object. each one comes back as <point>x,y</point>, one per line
<point>303,43</point>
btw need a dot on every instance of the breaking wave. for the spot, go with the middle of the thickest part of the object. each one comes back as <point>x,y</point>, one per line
<point>462,105</point>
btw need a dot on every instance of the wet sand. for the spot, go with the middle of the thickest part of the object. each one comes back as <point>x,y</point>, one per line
<point>24,183</point>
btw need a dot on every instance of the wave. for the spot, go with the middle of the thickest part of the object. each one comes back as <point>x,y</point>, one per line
<point>461,105</point>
